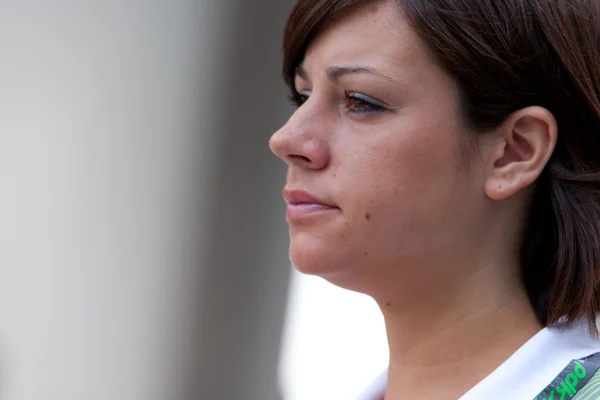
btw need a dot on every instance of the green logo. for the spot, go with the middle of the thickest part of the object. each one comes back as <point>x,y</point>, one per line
<point>569,386</point>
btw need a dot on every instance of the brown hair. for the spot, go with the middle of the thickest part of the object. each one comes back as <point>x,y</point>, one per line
<point>506,55</point>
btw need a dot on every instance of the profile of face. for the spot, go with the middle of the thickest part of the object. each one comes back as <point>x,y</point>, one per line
<point>377,183</point>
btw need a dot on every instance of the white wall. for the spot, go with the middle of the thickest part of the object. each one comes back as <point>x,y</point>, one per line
<point>109,114</point>
<point>334,342</point>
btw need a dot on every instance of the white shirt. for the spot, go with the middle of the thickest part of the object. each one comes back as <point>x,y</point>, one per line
<point>527,372</point>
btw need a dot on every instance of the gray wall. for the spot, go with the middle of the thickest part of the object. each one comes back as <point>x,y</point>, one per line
<point>143,250</point>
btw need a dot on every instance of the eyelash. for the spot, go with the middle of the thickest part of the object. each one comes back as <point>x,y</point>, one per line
<point>362,104</point>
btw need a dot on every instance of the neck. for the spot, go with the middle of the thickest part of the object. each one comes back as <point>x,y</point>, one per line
<point>442,347</point>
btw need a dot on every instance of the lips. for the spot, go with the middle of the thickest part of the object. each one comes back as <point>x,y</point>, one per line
<point>300,197</point>
<point>304,206</point>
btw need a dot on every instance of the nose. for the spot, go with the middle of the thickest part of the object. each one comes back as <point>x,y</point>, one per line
<point>302,141</point>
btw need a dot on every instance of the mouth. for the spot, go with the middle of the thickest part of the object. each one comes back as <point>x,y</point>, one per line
<point>302,205</point>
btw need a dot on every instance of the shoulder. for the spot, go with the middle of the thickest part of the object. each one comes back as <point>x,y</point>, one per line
<point>536,364</point>
<point>527,372</point>
<point>376,390</point>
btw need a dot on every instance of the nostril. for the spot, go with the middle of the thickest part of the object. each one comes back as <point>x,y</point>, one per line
<point>300,158</point>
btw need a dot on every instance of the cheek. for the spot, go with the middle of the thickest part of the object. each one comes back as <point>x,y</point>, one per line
<point>399,191</point>
<point>407,167</point>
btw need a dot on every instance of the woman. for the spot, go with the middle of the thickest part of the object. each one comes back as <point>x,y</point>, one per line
<point>444,159</point>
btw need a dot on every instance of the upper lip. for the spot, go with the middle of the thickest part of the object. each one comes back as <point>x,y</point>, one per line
<point>295,196</point>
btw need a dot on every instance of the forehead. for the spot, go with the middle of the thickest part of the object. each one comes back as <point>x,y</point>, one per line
<point>375,34</point>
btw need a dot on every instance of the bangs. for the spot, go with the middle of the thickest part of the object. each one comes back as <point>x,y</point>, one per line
<point>308,19</point>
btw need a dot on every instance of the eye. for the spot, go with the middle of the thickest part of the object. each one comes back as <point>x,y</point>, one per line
<point>297,98</point>
<point>361,104</point>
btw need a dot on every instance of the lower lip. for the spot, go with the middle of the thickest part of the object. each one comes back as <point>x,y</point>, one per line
<point>299,211</point>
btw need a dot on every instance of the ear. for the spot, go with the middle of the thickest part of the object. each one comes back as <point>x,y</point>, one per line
<point>526,141</point>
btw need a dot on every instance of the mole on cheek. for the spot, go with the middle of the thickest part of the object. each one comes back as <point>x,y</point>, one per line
<point>368,216</point>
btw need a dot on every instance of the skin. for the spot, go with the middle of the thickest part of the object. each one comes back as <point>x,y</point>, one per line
<point>434,243</point>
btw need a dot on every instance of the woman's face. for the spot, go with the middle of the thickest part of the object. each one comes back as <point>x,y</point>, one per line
<point>376,180</point>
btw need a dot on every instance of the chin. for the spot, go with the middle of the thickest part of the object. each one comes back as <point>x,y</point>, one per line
<point>311,260</point>
<point>320,257</point>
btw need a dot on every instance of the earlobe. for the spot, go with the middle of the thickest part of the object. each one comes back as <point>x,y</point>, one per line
<point>501,188</point>
<point>527,140</point>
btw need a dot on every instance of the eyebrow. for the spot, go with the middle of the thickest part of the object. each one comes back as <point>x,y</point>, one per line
<point>334,73</point>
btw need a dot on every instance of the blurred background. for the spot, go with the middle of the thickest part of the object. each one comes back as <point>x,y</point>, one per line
<point>143,240</point>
